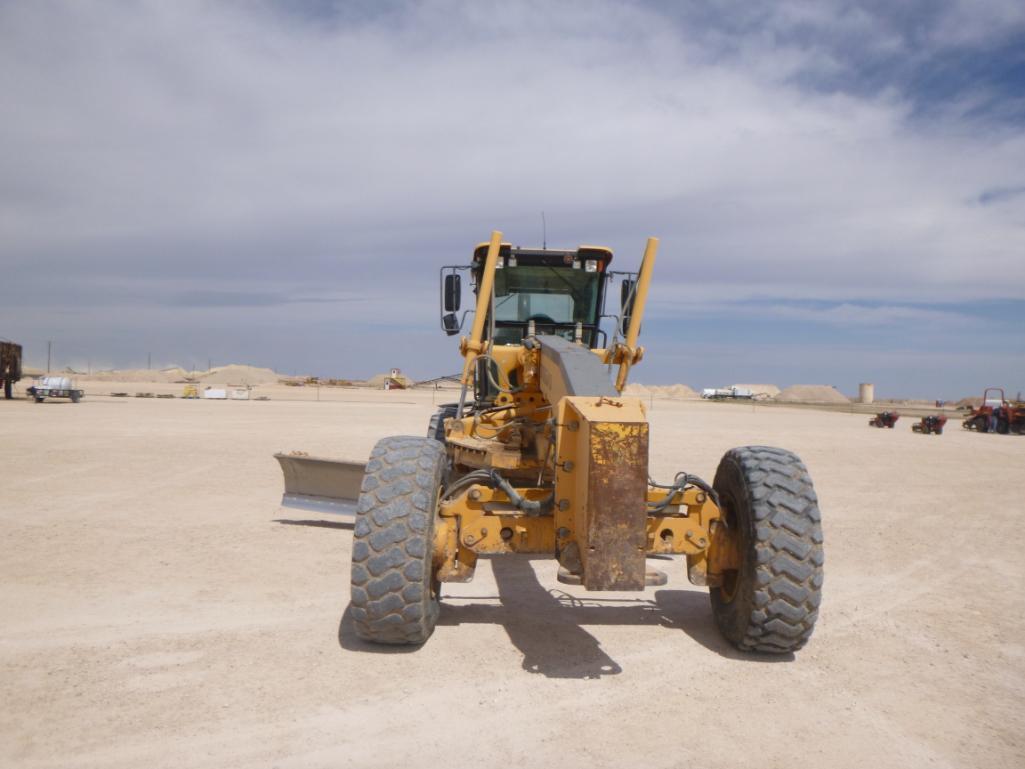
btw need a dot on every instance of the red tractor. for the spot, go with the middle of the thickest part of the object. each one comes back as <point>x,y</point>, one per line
<point>996,414</point>
<point>930,424</point>
<point>884,419</point>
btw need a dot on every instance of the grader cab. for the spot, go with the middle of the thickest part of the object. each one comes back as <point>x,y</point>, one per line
<point>544,454</point>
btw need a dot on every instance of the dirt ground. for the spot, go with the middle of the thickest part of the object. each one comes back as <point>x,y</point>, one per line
<point>160,610</point>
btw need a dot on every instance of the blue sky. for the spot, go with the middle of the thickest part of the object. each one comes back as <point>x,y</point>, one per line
<point>839,187</point>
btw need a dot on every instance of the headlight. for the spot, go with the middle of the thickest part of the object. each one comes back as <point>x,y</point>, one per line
<point>591,265</point>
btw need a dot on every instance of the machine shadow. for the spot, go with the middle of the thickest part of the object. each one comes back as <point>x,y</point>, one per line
<point>347,525</point>
<point>547,624</point>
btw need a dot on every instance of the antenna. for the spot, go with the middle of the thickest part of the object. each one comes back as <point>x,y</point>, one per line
<point>544,233</point>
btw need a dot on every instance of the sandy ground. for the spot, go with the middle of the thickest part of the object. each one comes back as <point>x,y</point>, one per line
<point>160,610</point>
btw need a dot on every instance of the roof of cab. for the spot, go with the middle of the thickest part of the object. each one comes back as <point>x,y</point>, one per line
<point>601,253</point>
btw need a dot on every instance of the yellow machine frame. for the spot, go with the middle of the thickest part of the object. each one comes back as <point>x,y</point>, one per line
<point>583,456</point>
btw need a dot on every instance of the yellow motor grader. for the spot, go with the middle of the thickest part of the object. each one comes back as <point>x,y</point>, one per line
<point>544,454</point>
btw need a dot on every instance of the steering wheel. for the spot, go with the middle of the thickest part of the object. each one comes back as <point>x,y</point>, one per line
<point>548,320</point>
<point>541,318</point>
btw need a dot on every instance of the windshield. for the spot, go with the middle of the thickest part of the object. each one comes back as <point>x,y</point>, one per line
<point>546,295</point>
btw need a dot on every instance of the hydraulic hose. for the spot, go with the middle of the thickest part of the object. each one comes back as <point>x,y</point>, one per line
<point>681,482</point>
<point>531,507</point>
<point>491,478</point>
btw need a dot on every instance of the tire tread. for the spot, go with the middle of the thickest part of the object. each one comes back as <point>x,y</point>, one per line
<point>785,548</point>
<point>391,597</point>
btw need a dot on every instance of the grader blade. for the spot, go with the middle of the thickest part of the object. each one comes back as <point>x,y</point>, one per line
<point>319,484</point>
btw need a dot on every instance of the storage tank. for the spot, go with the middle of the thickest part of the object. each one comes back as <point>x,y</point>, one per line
<point>866,392</point>
<point>57,382</point>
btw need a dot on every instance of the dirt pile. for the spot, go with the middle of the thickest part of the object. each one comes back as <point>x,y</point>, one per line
<point>759,389</point>
<point>239,374</point>
<point>136,375</point>
<point>231,374</point>
<point>678,391</point>
<point>914,402</point>
<point>811,394</point>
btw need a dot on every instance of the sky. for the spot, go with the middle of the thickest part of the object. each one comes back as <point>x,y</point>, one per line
<point>839,187</point>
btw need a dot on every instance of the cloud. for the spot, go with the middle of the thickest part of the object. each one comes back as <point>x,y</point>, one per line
<point>1001,194</point>
<point>234,156</point>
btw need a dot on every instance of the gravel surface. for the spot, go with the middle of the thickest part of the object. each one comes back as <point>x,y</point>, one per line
<point>161,610</point>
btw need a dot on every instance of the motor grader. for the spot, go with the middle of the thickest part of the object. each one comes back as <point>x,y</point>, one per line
<point>543,453</point>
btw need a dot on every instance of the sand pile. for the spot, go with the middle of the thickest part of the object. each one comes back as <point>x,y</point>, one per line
<point>136,375</point>
<point>232,374</point>
<point>811,394</point>
<point>238,374</point>
<point>176,373</point>
<point>915,402</point>
<point>679,391</point>
<point>759,389</point>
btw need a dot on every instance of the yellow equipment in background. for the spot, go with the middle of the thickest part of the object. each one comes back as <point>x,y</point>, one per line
<point>544,454</point>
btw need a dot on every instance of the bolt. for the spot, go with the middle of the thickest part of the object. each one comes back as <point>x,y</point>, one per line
<point>506,533</point>
<point>562,532</point>
<point>475,494</point>
<point>564,504</point>
<point>701,497</point>
<point>568,465</point>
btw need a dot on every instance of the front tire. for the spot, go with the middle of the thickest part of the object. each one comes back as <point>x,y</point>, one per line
<point>771,602</point>
<point>394,593</point>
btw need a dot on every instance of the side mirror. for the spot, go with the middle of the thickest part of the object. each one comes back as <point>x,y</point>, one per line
<point>626,300</point>
<point>449,321</point>
<point>452,293</point>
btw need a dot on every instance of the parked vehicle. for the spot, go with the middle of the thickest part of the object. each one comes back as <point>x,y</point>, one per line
<point>931,424</point>
<point>884,419</point>
<point>55,387</point>
<point>545,454</point>
<point>727,393</point>
<point>996,414</point>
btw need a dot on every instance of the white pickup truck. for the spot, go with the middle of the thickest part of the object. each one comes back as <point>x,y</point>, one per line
<point>740,393</point>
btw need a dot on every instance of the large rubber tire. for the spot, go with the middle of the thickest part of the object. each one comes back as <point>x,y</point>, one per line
<point>771,603</point>
<point>394,593</point>
<point>436,427</point>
